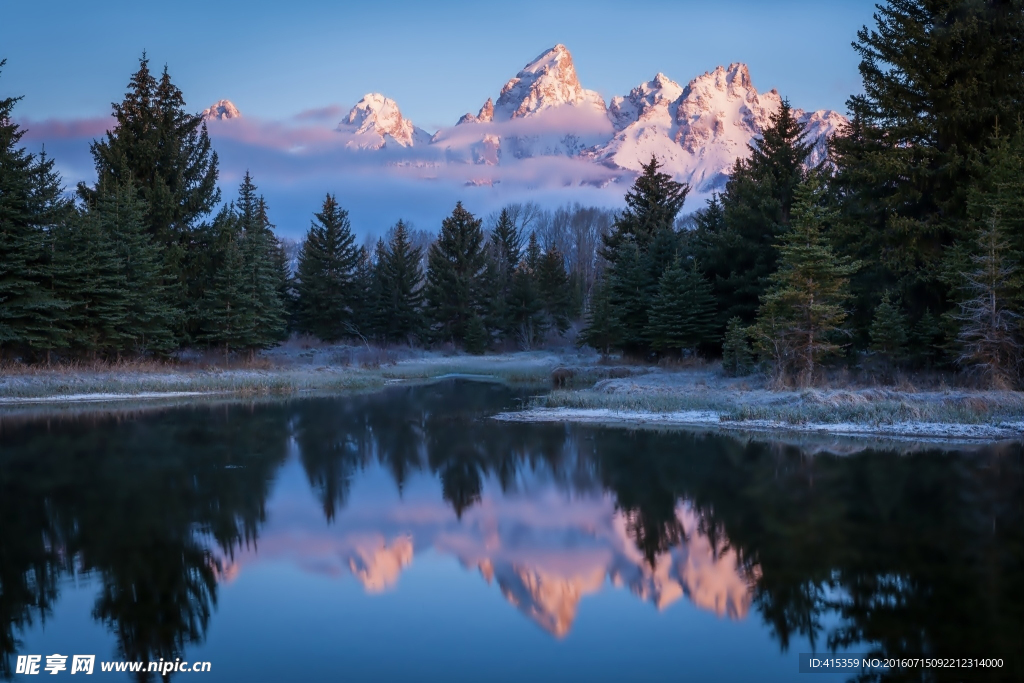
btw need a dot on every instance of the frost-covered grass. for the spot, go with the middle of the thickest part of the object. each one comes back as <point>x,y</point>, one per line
<point>637,402</point>
<point>57,383</point>
<point>866,407</point>
<point>518,368</point>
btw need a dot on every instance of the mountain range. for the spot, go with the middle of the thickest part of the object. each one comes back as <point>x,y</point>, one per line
<point>697,131</point>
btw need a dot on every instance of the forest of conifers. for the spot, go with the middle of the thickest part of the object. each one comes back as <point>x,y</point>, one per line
<point>903,248</point>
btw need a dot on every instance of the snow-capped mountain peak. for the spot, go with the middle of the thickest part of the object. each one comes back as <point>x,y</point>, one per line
<point>548,81</point>
<point>647,100</point>
<point>221,110</point>
<point>376,121</point>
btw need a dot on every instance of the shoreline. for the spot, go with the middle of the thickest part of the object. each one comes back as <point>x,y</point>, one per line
<point>910,431</point>
<point>597,392</point>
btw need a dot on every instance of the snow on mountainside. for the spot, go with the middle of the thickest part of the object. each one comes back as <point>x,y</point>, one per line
<point>699,131</point>
<point>544,112</point>
<point>548,81</point>
<point>376,122</point>
<point>221,110</point>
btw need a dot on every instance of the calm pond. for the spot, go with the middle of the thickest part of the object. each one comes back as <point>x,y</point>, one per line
<point>403,536</point>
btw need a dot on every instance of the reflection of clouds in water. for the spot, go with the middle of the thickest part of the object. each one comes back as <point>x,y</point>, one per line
<point>544,551</point>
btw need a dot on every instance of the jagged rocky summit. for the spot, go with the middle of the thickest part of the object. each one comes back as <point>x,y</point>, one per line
<point>697,131</point>
<point>221,110</point>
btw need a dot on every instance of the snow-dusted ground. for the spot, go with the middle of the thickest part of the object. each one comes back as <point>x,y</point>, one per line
<point>707,418</point>
<point>87,398</point>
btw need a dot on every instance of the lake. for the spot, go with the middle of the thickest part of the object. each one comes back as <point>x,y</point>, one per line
<point>404,536</point>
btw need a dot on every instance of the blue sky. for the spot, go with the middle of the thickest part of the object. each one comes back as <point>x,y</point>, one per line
<point>437,59</point>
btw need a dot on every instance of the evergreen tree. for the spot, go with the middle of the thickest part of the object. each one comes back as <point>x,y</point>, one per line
<point>366,294</point>
<point>456,287</point>
<point>90,281</point>
<point>31,317</point>
<point>739,230</point>
<point>263,278</point>
<point>683,313</point>
<point>652,205</point>
<point>737,359</point>
<point>285,284</point>
<point>326,276</point>
<point>927,341</point>
<point>803,310</point>
<point>401,316</point>
<point>889,330</point>
<point>477,339</point>
<point>112,274</point>
<point>630,295</point>
<point>166,153</point>
<point>990,332</point>
<point>601,326</point>
<point>554,290</point>
<point>939,77</point>
<point>226,311</point>
<point>505,252</point>
<point>526,307</point>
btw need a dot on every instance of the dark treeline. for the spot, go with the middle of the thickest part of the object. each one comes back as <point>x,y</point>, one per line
<point>902,250</point>
<point>872,553</point>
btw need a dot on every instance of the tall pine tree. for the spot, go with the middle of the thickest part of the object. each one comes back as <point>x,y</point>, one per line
<point>326,275</point>
<point>939,78</point>
<point>456,287</point>
<point>401,285</point>
<point>683,313</point>
<point>803,311</point>
<point>31,317</point>
<point>739,230</point>
<point>165,152</point>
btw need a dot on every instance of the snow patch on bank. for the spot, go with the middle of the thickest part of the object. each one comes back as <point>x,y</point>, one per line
<point>83,398</point>
<point>696,418</point>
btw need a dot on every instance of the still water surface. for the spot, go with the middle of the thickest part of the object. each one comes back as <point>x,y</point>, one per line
<point>403,536</point>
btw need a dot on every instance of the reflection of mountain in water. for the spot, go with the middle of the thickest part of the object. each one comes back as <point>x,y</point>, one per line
<point>545,552</point>
<point>894,553</point>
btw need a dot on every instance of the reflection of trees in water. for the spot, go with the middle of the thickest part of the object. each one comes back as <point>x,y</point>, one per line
<point>136,502</point>
<point>898,553</point>
<point>908,553</point>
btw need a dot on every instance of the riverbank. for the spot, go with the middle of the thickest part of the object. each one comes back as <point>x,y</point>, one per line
<point>700,396</point>
<point>279,372</point>
<point>572,387</point>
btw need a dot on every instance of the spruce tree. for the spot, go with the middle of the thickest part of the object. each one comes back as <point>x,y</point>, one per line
<point>326,275</point>
<point>456,287</point>
<point>737,359</point>
<point>227,318</point>
<point>927,341</point>
<point>263,278</point>
<point>630,295</point>
<point>401,315</point>
<point>889,330</point>
<point>803,311</point>
<point>739,230</point>
<point>285,283</point>
<point>113,274</point>
<point>31,317</point>
<point>683,313</point>
<point>601,329</point>
<point>91,282</point>
<point>554,290</point>
<point>166,153</point>
<point>990,334</point>
<point>366,294</point>
<point>939,78</point>
<point>652,205</point>
<point>526,307</point>
<point>505,253</point>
